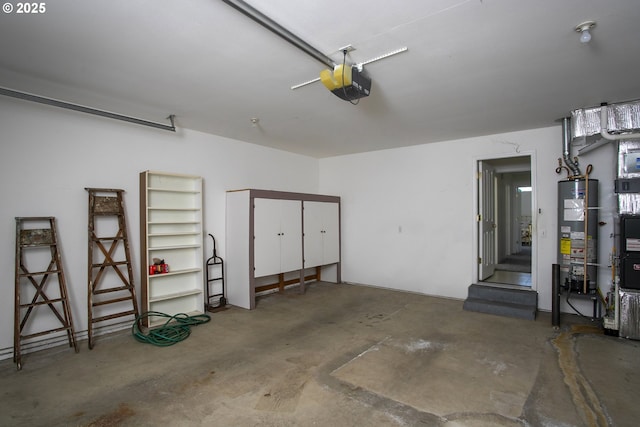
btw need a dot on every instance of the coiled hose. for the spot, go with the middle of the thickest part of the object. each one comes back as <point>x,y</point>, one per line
<point>175,329</point>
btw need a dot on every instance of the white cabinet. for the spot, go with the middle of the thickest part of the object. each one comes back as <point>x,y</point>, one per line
<point>264,238</point>
<point>171,230</point>
<point>277,236</point>
<point>321,233</point>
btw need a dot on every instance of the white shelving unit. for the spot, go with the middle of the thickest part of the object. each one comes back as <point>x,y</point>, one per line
<point>171,230</point>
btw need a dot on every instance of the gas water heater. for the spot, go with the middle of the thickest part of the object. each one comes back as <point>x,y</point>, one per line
<point>578,234</point>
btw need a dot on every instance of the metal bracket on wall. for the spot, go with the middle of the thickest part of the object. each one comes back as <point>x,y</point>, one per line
<point>88,110</point>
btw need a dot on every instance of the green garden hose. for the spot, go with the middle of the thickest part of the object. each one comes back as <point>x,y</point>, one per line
<point>176,328</point>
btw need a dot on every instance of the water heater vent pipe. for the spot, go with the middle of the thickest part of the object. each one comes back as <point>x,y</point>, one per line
<point>566,152</point>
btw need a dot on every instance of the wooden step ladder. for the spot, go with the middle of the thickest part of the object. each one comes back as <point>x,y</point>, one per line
<point>110,278</point>
<point>34,235</point>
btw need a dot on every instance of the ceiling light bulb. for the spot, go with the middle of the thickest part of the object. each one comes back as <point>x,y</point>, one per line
<point>584,30</point>
<point>585,37</point>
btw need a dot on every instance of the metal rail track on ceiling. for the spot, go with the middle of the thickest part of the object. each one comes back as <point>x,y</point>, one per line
<point>88,110</point>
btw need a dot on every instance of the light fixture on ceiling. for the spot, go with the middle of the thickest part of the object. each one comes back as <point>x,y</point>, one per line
<point>584,30</point>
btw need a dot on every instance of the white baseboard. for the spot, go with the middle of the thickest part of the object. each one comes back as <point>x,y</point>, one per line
<point>61,339</point>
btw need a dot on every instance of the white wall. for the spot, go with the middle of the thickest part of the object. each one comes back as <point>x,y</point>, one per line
<point>408,215</point>
<point>49,155</point>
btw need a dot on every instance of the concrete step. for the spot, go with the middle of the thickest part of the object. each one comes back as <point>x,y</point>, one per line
<point>508,302</point>
<point>498,293</point>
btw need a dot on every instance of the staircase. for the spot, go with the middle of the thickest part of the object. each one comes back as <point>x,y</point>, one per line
<point>509,302</point>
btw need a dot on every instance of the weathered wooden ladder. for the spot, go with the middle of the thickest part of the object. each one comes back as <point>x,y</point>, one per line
<point>35,235</point>
<point>112,264</point>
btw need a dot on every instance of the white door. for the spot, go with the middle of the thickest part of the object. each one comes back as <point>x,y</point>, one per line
<point>312,234</point>
<point>487,249</point>
<point>331,233</point>
<point>277,236</point>
<point>321,233</point>
<point>266,242</point>
<point>290,235</point>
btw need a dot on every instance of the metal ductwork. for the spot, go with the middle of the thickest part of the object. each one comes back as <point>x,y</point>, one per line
<point>566,151</point>
<point>604,124</point>
<point>610,121</point>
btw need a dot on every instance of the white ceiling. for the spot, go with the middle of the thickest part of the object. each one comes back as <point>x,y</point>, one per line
<point>472,68</point>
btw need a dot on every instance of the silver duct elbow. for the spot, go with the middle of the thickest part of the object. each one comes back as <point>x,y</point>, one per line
<point>566,152</point>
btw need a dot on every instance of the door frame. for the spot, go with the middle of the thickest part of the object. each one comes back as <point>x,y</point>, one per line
<point>534,212</point>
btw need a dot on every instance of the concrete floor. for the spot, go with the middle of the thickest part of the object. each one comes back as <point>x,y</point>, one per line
<point>340,355</point>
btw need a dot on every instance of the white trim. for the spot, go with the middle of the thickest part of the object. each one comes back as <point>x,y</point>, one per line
<point>60,340</point>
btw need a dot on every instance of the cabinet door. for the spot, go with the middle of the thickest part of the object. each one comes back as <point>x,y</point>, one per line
<point>331,235</point>
<point>266,242</point>
<point>313,251</point>
<point>278,236</point>
<point>290,235</point>
<point>321,233</point>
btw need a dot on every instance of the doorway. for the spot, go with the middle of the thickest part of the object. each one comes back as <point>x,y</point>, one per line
<point>505,231</point>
